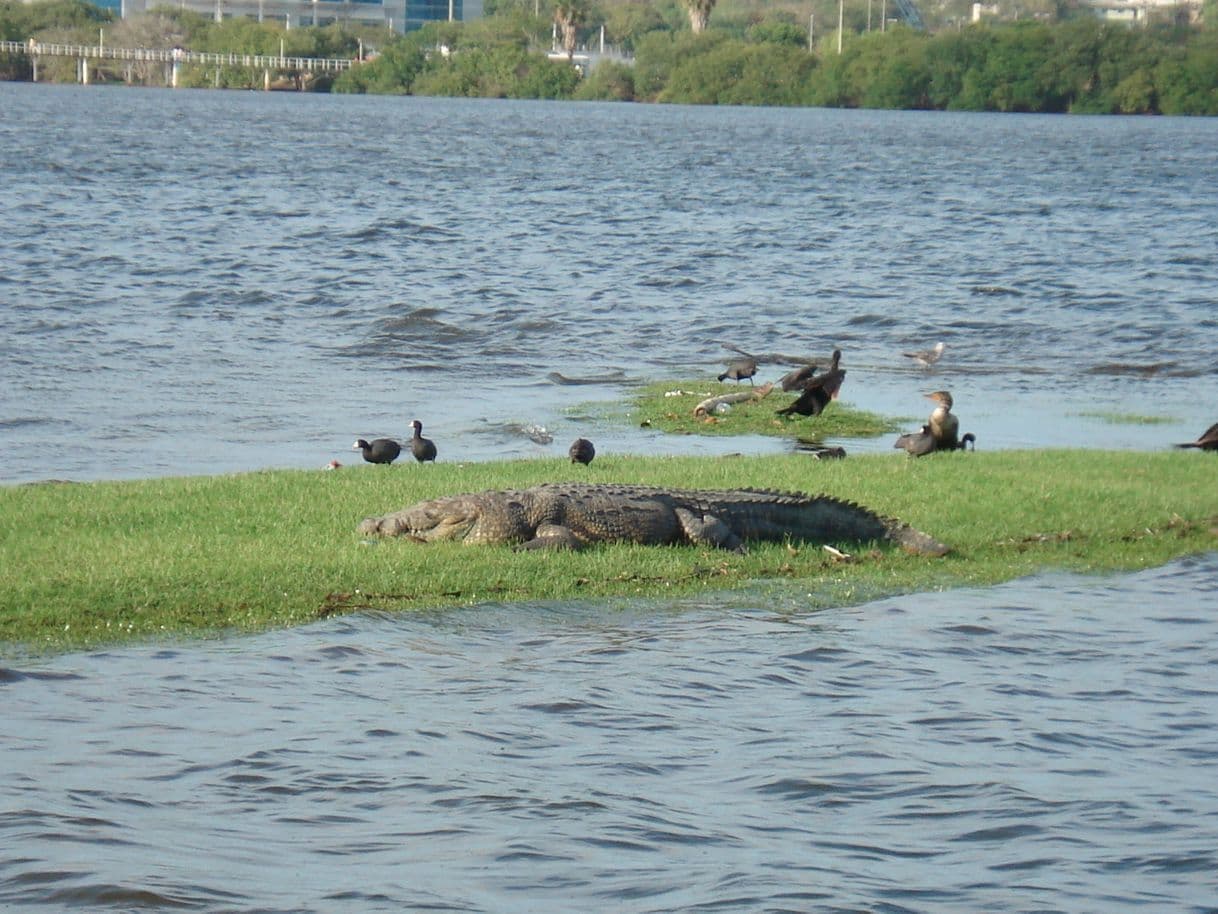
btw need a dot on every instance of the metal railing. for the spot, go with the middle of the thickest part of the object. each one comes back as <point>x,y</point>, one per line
<point>177,55</point>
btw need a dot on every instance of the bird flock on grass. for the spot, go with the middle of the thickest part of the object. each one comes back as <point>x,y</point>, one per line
<point>816,384</point>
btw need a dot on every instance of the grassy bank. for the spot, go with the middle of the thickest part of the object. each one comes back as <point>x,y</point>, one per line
<point>668,406</point>
<point>88,564</point>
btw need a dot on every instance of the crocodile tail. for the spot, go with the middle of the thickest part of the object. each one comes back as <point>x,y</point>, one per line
<point>913,540</point>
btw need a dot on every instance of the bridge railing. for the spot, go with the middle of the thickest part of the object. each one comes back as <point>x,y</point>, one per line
<point>177,55</point>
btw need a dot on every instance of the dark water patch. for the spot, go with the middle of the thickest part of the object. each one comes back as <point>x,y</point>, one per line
<point>122,897</point>
<point>873,320</point>
<point>8,675</point>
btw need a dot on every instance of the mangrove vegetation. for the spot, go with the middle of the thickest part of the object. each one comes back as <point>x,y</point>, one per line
<point>1038,57</point>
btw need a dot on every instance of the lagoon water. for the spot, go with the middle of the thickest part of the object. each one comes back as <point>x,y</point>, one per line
<point>1047,745</point>
<point>199,282</point>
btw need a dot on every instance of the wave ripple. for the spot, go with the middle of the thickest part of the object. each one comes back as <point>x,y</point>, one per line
<point>1046,745</point>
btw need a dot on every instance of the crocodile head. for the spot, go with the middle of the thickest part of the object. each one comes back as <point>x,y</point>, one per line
<point>429,521</point>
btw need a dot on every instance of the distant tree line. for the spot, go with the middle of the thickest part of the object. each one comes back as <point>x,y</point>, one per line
<point>1075,64</point>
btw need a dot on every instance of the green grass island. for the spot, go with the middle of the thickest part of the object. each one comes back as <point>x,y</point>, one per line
<point>99,563</point>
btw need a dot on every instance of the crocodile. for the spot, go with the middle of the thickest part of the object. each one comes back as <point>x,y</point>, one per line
<point>573,515</point>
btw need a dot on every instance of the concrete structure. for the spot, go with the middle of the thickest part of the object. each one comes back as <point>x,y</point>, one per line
<point>1139,11</point>
<point>1136,12</point>
<point>399,15</point>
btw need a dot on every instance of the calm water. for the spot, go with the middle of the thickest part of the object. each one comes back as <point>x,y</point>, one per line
<point>196,282</point>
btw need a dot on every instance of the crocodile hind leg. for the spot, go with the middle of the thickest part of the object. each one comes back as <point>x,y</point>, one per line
<point>553,536</point>
<point>708,530</point>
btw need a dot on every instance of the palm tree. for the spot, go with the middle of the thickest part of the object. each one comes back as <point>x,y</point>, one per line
<point>570,16</point>
<point>699,13</point>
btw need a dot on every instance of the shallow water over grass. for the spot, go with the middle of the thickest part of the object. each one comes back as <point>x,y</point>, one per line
<point>1043,745</point>
<point>201,282</point>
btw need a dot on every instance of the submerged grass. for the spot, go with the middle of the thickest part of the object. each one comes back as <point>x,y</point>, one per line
<point>95,563</point>
<point>668,406</point>
<point>1114,418</point>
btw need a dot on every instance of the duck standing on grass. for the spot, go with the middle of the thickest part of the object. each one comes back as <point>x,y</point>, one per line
<point>581,451</point>
<point>945,427</point>
<point>379,450</point>
<point>1208,440</point>
<point>422,448</point>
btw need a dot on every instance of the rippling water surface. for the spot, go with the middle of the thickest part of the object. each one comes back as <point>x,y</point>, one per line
<point>203,281</point>
<point>1043,746</point>
<point>198,282</point>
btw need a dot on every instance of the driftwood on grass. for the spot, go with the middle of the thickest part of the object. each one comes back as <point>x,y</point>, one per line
<point>710,404</point>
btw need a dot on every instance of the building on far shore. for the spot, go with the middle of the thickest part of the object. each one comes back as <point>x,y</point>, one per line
<point>399,15</point>
<point>1137,12</point>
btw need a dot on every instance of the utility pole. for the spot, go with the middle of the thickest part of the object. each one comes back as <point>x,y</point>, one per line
<point>841,18</point>
<point>811,23</point>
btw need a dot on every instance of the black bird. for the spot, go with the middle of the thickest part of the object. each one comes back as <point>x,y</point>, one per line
<point>819,390</point>
<point>740,369</point>
<point>422,448</point>
<point>799,378</point>
<point>825,452</point>
<point>380,450</point>
<point>1208,440</point>
<point>917,444</point>
<point>581,451</point>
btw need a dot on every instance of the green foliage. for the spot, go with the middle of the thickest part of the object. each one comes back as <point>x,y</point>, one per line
<point>502,72</point>
<point>1010,77</point>
<point>392,72</point>
<point>1187,79</point>
<point>878,70</point>
<point>738,73</point>
<point>626,23</point>
<point>658,54</point>
<point>668,406</point>
<point>777,31</point>
<point>19,21</point>
<point>609,82</point>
